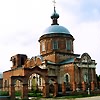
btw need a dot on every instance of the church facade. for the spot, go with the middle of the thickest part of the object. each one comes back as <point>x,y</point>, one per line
<point>57,49</point>
<point>57,65</point>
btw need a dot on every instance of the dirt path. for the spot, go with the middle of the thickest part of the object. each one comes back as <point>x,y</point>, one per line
<point>86,98</point>
<point>89,98</point>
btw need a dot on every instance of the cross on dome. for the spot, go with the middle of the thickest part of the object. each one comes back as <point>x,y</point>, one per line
<point>54,2</point>
<point>54,16</point>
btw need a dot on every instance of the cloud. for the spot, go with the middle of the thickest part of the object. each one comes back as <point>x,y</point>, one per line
<point>87,37</point>
<point>83,10</point>
<point>82,18</point>
<point>89,10</point>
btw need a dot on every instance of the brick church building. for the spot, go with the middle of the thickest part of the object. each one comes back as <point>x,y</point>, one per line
<point>57,65</point>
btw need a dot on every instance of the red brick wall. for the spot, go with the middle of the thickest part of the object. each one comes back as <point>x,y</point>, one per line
<point>48,45</point>
<point>70,70</point>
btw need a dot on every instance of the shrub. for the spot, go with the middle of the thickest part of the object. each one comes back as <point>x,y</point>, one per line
<point>4,93</point>
<point>17,93</point>
<point>34,93</point>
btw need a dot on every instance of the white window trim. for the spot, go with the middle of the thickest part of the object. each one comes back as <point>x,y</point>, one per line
<point>65,77</point>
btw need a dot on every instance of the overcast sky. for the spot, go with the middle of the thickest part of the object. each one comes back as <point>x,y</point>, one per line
<point>22,22</point>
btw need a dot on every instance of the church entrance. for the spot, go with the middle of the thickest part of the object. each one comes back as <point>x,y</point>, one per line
<point>53,86</point>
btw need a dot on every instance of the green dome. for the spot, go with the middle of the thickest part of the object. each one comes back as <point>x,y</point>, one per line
<point>55,15</point>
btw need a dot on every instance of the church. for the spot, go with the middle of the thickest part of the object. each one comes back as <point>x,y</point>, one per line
<point>57,67</point>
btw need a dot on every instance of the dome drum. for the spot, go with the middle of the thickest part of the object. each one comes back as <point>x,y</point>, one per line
<point>55,35</point>
<point>56,31</point>
<point>56,38</point>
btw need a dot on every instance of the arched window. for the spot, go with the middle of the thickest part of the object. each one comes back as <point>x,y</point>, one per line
<point>66,78</point>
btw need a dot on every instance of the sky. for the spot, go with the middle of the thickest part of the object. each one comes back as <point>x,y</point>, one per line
<point>22,22</point>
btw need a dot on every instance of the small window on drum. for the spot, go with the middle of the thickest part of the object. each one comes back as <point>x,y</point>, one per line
<point>68,44</point>
<point>43,46</point>
<point>55,44</point>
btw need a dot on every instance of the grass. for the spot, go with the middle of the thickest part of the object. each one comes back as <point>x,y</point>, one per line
<point>34,93</point>
<point>64,97</point>
<point>37,95</point>
<point>17,93</point>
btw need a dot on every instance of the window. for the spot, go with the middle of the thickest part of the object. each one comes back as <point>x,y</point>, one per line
<point>43,46</point>
<point>55,44</point>
<point>22,60</point>
<point>85,78</point>
<point>68,44</point>
<point>66,78</point>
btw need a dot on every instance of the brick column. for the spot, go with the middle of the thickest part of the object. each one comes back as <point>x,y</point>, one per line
<point>63,88</point>
<point>92,86</point>
<point>74,86</point>
<point>25,91</point>
<point>55,89</point>
<point>12,92</point>
<point>43,90</point>
<point>83,86</point>
<point>46,90</point>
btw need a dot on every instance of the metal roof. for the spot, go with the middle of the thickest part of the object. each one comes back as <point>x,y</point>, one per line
<point>70,60</point>
<point>56,29</point>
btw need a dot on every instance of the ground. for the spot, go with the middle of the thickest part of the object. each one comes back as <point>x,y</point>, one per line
<point>86,98</point>
<point>89,98</point>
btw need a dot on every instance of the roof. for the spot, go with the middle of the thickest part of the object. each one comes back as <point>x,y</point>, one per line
<point>56,29</point>
<point>68,61</point>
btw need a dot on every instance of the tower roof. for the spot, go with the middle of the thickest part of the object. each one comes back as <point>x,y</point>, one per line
<point>56,29</point>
